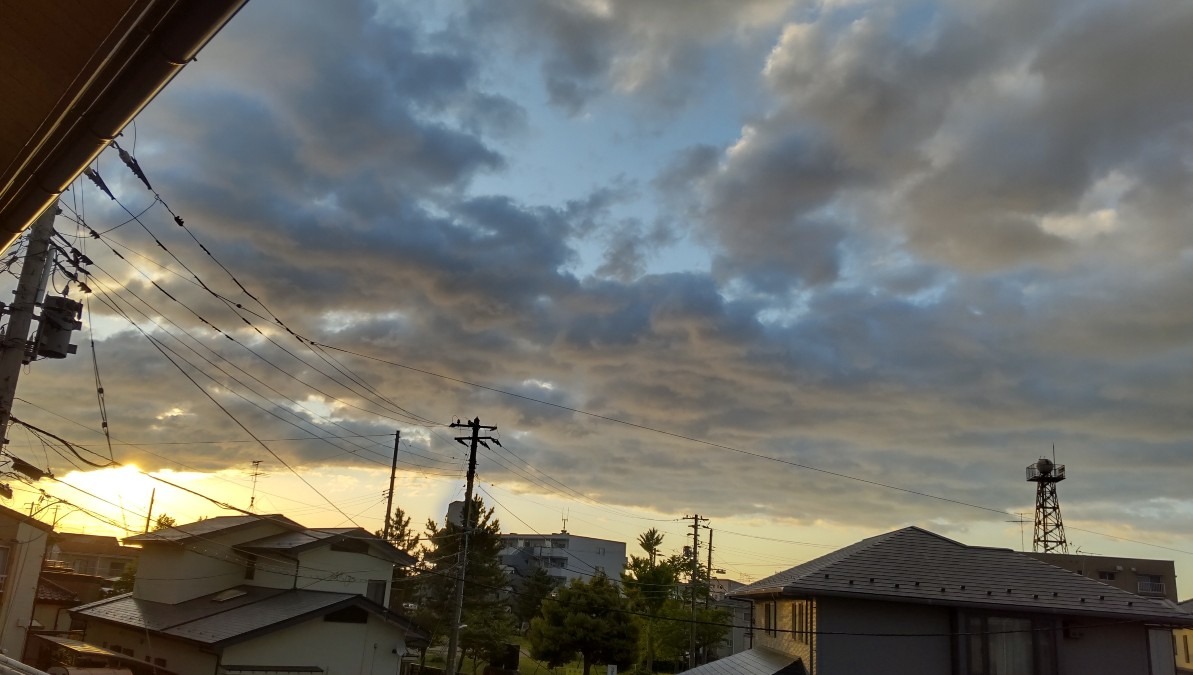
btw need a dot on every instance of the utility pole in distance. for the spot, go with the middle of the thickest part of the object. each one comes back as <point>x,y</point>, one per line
<point>692,584</point>
<point>389,496</point>
<point>472,441</point>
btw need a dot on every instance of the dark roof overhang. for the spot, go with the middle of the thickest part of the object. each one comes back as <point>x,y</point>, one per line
<point>73,75</point>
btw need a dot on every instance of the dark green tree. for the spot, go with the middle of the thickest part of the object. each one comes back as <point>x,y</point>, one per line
<point>486,616</point>
<point>530,595</point>
<point>404,590</point>
<point>164,521</point>
<point>586,618</point>
<point>649,583</point>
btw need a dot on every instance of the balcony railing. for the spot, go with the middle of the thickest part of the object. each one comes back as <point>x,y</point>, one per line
<point>1150,588</point>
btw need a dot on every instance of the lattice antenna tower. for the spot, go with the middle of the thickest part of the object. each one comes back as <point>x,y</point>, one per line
<point>1050,529</point>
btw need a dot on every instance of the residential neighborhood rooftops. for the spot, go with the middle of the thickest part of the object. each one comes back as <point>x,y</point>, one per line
<point>915,565</point>
<point>70,542</point>
<point>50,592</point>
<point>756,661</point>
<point>209,527</point>
<point>211,620</point>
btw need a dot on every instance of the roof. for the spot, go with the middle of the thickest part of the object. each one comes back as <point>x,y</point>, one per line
<point>50,592</point>
<point>918,566</point>
<point>211,526</point>
<point>62,105</point>
<point>6,512</point>
<point>306,539</point>
<point>207,621</point>
<point>69,542</point>
<point>757,661</point>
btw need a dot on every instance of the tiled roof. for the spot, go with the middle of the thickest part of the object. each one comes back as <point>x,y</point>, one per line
<point>211,526</point>
<point>757,661</point>
<point>208,621</point>
<point>48,591</point>
<point>69,542</point>
<point>915,565</point>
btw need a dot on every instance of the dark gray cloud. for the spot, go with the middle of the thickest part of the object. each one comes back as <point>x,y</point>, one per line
<point>951,238</point>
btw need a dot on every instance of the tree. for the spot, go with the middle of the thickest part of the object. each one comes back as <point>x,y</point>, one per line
<point>125,583</point>
<point>403,587</point>
<point>486,617</point>
<point>649,584</point>
<point>401,535</point>
<point>651,541</point>
<point>530,596</point>
<point>163,522</point>
<point>586,618</point>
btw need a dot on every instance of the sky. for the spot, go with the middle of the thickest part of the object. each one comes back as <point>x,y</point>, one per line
<point>812,270</point>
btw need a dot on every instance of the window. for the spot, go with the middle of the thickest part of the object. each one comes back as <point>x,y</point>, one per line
<point>600,550</point>
<point>768,618</point>
<point>1185,643</point>
<point>115,568</point>
<point>995,645</point>
<point>4,550</point>
<point>1105,575</point>
<point>350,546</point>
<point>801,621</point>
<point>250,566</point>
<point>348,615</point>
<point>376,591</point>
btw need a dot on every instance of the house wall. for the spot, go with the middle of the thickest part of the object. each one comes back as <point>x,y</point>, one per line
<point>565,556</point>
<point>51,616</point>
<point>358,568</point>
<point>207,565</point>
<point>887,655</point>
<point>1101,648</point>
<point>24,547</point>
<point>782,639</point>
<point>1183,643</point>
<point>374,648</point>
<point>181,657</point>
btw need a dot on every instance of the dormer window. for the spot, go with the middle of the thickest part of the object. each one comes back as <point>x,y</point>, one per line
<point>350,546</point>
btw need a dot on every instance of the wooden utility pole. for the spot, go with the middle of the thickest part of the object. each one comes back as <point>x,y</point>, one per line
<point>693,579</point>
<point>453,639</point>
<point>389,496</point>
<point>708,593</point>
<point>149,515</point>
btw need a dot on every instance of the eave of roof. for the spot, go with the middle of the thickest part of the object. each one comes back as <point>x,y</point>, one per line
<point>84,103</point>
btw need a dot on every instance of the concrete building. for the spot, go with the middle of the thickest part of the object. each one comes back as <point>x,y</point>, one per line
<point>1149,578</point>
<point>913,602</point>
<point>238,594</point>
<point>563,555</point>
<point>23,542</point>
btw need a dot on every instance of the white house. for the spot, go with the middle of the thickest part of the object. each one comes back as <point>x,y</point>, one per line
<point>22,549</point>
<point>254,593</point>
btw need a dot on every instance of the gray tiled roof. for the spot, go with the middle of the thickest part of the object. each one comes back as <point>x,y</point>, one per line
<point>915,565</point>
<point>757,661</point>
<point>207,621</point>
<point>312,537</point>
<point>210,526</point>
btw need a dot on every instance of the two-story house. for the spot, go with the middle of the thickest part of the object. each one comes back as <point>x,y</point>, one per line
<point>914,602</point>
<point>238,594</point>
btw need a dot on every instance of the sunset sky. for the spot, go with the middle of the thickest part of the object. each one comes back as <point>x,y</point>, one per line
<point>733,242</point>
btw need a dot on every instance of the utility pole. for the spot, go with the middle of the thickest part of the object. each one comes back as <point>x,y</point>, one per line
<point>708,594</point>
<point>389,496</point>
<point>149,515</point>
<point>692,584</point>
<point>14,347</point>
<point>472,441</point>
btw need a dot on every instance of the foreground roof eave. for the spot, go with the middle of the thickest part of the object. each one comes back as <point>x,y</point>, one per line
<point>153,46</point>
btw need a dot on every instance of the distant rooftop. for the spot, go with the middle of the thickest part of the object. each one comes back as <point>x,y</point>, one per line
<point>210,526</point>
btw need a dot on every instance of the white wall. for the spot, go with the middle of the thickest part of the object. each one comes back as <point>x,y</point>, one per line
<point>28,546</point>
<point>181,657</point>
<point>338,648</point>
<point>171,574</point>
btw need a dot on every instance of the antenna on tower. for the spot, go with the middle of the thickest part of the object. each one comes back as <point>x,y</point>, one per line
<point>254,474</point>
<point>1049,528</point>
<point>565,521</point>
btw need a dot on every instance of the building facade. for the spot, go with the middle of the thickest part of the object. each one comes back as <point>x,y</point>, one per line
<point>92,554</point>
<point>1149,578</point>
<point>563,555</point>
<point>23,542</point>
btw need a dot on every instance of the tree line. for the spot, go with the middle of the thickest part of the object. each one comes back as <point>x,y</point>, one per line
<point>642,621</point>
